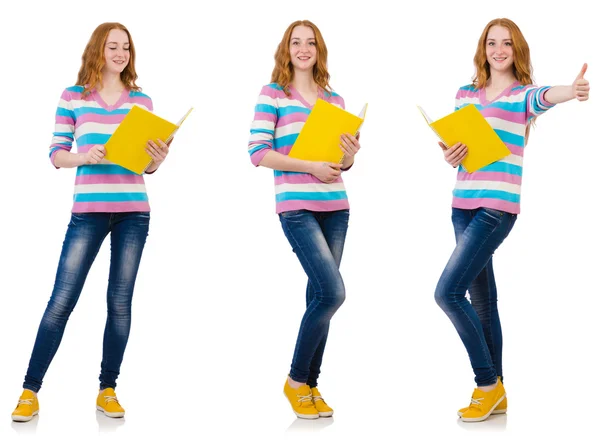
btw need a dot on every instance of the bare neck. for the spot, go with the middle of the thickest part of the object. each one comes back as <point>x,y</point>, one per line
<point>500,80</point>
<point>303,81</point>
<point>111,83</point>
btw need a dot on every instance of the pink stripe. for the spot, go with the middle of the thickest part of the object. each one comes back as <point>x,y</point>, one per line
<point>498,177</point>
<point>299,179</point>
<point>516,149</point>
<point>109,207</point>
<point>292,118</point>
<point>258,156</point>
<point>140,100</point>
<point>70,95</point>
<point>94,179</point>
<point>496,204</point>
<point>107,119</point>
<point>271,92</point>
<point>269,117</point>
<point>509,116</point>
<point>463,93</point>
<point>65,120</point>
<point>313,205</point>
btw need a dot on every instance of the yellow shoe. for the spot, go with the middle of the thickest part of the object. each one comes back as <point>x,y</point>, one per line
<point>484,403</point>
<point>320,404</point>
<point>502,407</point>
<point>27,407</point>
<point>301,401</point>
<point>107,402</point>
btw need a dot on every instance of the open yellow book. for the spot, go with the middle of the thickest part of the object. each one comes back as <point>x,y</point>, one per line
<point>127,145</point>
<point>467,125</point>
<point>319,139</point>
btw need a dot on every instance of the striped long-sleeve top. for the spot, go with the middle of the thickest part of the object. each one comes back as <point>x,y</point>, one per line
<point>498,185</point>
<point>278,120</point>
<point>89,121</point>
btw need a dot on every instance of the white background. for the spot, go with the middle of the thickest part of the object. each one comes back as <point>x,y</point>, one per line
<point>220,294</point>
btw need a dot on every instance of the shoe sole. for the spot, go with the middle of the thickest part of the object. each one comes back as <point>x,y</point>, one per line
<point>325,414</point>
<point>110,414</point>
<point>18,418</point>
<point>495,412</point>
<point>302,416</point>
<point>483,418</point>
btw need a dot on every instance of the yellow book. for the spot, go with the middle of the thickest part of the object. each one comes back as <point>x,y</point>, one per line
<point>467,125</point>
<point>127,145</point>
<point>319,139</point>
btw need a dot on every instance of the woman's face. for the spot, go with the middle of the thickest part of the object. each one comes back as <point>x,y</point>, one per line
<point>499,49</point>
<point>116,52</point>
<point>303,48</point>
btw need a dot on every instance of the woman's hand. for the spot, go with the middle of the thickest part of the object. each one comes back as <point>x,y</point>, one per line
<point>326,172</point>
<point>349,146</point>
<point>581,87</point>
<point>158,152</point>
<point>455,154</point>
<point>94,155</point>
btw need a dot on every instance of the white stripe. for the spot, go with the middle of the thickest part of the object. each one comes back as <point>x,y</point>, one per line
<point>505,125</point>
<point>63,128</point>
<point>291,128</point>
<point>488,185</point>
<point>110,188</point>
<point>309,187</point>
<point>513,159</point>
<point>97,128</point>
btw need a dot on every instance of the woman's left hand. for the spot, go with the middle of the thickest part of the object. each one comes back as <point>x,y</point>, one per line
<point>158,152</point>
<point>349,146</point>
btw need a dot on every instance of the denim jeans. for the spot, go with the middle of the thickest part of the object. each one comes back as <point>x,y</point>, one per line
<point>478,233</point>
<point>85,234</point>
<point>318,239</point>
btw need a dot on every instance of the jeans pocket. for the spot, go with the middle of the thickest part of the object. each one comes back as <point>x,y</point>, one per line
<point>291,213</point>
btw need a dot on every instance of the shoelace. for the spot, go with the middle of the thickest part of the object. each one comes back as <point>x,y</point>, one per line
<point>302,399</point>
<point>26,401</point>
<point>108,399</point>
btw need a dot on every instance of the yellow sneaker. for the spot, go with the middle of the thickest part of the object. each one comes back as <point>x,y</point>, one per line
<point>501,408</point>
<point>301,401</point>
<point>108,404</point>
<point>27,407</point>
<point>484,403</point>
<point>320,404</point>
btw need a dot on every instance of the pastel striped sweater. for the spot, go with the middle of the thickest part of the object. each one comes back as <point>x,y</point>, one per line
<point>498,185</point>
<point>89,121</point>
<point>278,120</point>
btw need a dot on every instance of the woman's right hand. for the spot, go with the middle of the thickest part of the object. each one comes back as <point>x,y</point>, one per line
<point>326,172</point>
<point>94,155</point>
<point>455,154</point>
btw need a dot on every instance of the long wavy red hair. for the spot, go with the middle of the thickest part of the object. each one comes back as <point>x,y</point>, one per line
<point>92,60</point>
<point>522,68</point>
<point>283,73</point>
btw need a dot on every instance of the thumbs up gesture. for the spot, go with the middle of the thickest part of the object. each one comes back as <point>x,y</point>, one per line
<point>581,87</point>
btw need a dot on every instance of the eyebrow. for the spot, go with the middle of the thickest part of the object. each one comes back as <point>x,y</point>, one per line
<point>116,43</point>
<point>504,40</point>
<point>298,38</point>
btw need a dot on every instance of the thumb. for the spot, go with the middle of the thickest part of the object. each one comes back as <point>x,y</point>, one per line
<point>582,72</point>
<point>336,166</point>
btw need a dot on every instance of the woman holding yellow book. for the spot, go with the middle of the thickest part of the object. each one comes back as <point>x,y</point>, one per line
<point>107,199</point>
<point>486,202</point>
<point>310,198</point>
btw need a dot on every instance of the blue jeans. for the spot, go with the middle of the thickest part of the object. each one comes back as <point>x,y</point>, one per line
<point>478,234</point>
<point>85,234</point>
<point>318,239</point>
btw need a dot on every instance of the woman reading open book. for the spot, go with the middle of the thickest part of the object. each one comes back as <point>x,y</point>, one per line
<point>310,198</point>
<point>107,199</point>
<point>486,202</point>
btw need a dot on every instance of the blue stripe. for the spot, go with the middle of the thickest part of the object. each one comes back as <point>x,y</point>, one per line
<point>508,137</point>
<point>262,131</point>
<point>515,107</point>
<point>93,139</point>
<point>64,112</point>
<point>297,195</point>
<point>90,110</point>
<point>275,86</point>
<point>67,135</point>
<point>86,170</point>
<point>76,88</point>
<point>499,167</point>
<point>110,197</point>
<point>55,149</point>
<point>487,194</point>
<point>286,173</point>
<point>262,108</point>
<point>257,148</point>
<point>138,94</point>
<point>290,139</point>
<point>287,110</point>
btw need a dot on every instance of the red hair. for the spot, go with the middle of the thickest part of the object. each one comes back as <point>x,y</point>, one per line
<point>522,68</point>
<point>92,60</point>
<point>283,73</point>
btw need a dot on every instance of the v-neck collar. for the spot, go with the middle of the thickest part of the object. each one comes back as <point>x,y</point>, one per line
<point>114,106</point>
<point>482,95</point>
<point>296,94</point>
